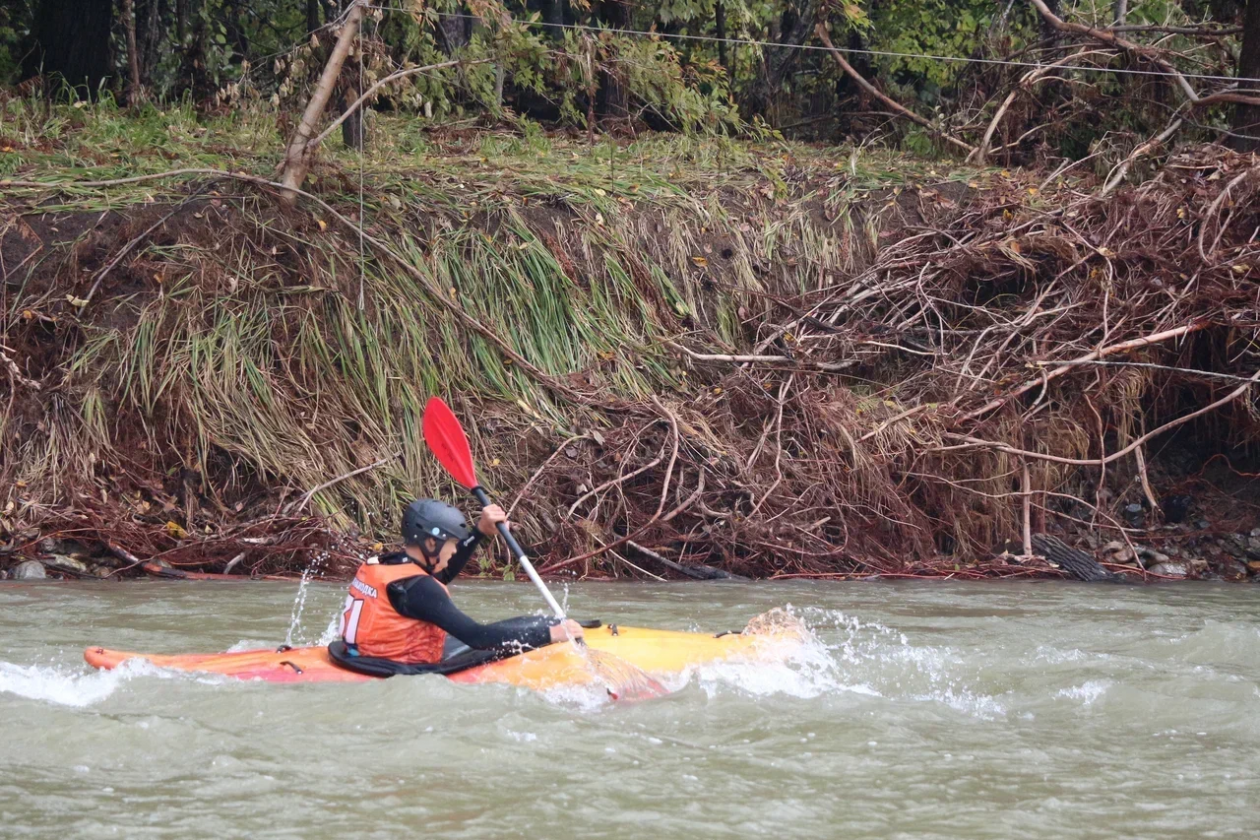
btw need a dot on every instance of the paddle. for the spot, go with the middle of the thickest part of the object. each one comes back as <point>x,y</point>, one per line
<point>449,443</point>
<point>446,438</point>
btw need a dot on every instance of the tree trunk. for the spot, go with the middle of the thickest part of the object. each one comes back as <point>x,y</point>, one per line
<point>454,32</point>
<point>134,92</point>
<point>351,129</point>
<point>70,40</point>
<point>1247,117</point>
<point>1122,11</point>
<point>312,15</point>
<point>149,33</point>
<point>553,16</point>
<point>720,13</point>
<point>1048,32</point>
<point>181,21</point>
<point>1076,563</point>
<point>296,160</point>
<point>616,99</point>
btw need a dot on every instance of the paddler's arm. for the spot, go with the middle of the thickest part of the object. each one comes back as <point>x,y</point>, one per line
<point>423,599</point>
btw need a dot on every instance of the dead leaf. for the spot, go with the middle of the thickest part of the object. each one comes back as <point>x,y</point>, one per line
<point>322,224</point>
<point>700,261</point>
<point>176,530</point>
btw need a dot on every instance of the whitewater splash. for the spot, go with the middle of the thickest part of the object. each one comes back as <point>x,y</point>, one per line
<point>842,654</point>
<point>64,687</point>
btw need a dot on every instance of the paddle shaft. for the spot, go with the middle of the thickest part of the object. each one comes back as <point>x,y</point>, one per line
<point>484,498</point>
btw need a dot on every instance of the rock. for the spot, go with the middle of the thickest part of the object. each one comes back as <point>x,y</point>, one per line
<point>1169,569</point>
<point>68,548</point>
<point>1134,514</point>
<point>1124,555</point>
<point>1255,532</point>
<point>1253,547</point>
<point>101,570</point>
<point>62,561</point>
<point>1152,555</point>
<point>1114,546</point>
<point>29,570</point>
<point>1202,524</point>
<point>1235,545</point>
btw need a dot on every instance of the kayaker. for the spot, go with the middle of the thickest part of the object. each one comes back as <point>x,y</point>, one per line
<point>398,611</point>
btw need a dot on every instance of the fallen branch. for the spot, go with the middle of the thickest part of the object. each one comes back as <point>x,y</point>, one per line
<point>1214,209</point>
<point>1064,367</point>
<point>1122,169</point>
<point>1114,40</point>
<point>127,249</point>
<point>1096,462</point>
<point>686,503</point>
<point>367,94</point>
<point>897,107</point>
<point>827,367</point>
<point>305,500</point>
<point>297,159</point>
<point>980,153</point>
<point>525,489</point>
<point>693,572</point>
<point>1076,563</point>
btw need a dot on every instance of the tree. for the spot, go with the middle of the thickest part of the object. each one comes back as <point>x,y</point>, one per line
<point>1247,117</point>
<point>70,40</point>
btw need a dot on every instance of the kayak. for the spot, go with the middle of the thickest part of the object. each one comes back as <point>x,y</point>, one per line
<point>611,654</point>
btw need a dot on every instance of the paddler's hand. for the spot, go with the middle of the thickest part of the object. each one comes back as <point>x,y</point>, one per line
<point>566,631</point>
<point>491,516</point>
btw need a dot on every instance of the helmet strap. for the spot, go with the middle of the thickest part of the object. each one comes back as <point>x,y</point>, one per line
<point>431,557</point>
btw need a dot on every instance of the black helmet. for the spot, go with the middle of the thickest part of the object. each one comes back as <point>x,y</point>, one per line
<point>431,518</point>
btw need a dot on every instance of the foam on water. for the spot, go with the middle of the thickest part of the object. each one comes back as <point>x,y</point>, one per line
<point>843,654</point>
<point>1087,692</point>
<point>65,687</point>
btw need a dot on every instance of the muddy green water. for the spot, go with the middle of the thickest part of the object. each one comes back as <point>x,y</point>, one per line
<point>1032,710</point>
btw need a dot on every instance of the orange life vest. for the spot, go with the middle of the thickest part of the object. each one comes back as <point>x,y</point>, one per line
<point>375,628</point>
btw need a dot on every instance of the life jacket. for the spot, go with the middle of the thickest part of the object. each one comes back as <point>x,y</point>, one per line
<point>371,626</point>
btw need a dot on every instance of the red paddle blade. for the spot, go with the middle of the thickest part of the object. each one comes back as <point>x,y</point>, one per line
<point>447,440</point>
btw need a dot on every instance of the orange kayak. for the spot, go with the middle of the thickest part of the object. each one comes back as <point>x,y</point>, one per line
<point>611,653</point>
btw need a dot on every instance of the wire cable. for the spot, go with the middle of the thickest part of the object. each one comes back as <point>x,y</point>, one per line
<point>641,33</point>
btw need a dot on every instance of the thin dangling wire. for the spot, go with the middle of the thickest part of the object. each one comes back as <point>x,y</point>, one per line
<point>362,137</point>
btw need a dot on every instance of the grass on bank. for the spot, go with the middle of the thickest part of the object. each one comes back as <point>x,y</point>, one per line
<point>258,350</point>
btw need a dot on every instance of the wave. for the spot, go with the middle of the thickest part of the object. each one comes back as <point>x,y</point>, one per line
<point>60,686</point>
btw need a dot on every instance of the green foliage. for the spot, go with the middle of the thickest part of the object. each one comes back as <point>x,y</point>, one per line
<point>14,23</point>
<point>953,28</point>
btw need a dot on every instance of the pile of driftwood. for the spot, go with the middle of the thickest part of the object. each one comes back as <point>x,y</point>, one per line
<point>997,374</point>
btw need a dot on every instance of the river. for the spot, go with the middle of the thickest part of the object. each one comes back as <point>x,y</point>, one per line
<point>923,710</point>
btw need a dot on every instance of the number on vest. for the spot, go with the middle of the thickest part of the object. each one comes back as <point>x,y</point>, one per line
<point>350,619</point>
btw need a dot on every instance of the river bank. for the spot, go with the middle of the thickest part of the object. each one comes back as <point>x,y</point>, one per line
<point>763,358</point>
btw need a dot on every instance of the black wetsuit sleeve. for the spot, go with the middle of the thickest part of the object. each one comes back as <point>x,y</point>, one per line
<point>422,598</point>
<point>463,553</point>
